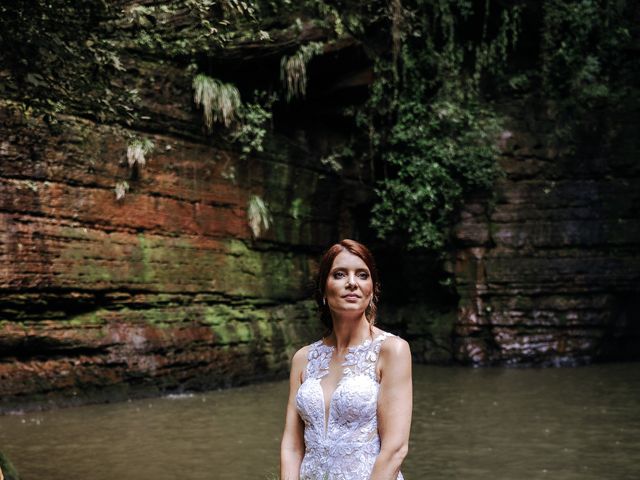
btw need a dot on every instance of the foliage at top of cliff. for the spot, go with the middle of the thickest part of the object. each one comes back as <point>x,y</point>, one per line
<point>62,56</point>
<point>589,68</point>
<point>435,130</point>
<point>430,125</point>
<point>432,117</point>
<point>52,50</point>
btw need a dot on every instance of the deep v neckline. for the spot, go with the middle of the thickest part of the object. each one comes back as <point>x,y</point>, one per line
<point>341,435</point>
<point>350,360</point>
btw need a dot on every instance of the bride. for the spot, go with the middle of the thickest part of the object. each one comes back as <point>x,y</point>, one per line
<point>349,410</point>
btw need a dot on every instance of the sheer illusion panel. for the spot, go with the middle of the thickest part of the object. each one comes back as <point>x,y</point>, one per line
<point>341,438</point>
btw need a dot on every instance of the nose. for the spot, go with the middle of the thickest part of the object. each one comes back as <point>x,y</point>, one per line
<point>351,281</point>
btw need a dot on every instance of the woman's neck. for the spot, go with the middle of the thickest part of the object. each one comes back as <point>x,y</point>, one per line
<point>348,332</point>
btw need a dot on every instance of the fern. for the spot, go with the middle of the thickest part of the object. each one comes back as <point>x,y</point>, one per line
<point>259,217</point>
<point>137,149</point>
<point>121,189</point>
<point>219,101</point>
<point>293,70</point>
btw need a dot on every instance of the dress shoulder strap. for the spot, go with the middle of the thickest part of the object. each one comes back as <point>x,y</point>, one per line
<point>318,360</point>
<point>375,352</point>
<point>362,360</point>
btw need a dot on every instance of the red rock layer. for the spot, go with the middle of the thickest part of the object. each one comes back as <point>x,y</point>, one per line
<point>164,289</point>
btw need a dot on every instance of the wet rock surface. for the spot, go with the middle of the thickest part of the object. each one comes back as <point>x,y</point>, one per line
<point>548,271</point>
<point>167,289</point>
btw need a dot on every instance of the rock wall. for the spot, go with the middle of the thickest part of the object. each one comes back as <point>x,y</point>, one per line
<point>167,288</point>
<point>164,289</point>
<point>548,270</point>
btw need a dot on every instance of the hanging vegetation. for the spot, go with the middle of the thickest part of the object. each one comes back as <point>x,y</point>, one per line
<point>246,122</point>
<point>219,101</point>
<point>254,119</point>
<point>137,150</point>
<point>429,122</point>
<point>293,70</point>
<point>589,67</point>
<point>121,189</point>
<point>258,215</point>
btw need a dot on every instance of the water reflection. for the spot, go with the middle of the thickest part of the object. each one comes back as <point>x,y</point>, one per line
<point>581,423</point>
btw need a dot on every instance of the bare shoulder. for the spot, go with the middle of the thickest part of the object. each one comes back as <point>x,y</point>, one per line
<point>395,347</point>
<point>395,359</point>
<point>299,364</point>
<point>300,357</point>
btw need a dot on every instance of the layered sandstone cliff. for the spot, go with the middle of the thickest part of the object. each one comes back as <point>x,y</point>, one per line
<point>165,287</point>
<point>169,289</point>
<point>548,270</point>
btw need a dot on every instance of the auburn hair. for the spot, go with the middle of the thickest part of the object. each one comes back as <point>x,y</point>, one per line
<point>324,268</point>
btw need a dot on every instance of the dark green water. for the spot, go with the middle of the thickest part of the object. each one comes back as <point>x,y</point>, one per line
<point>579,423</point>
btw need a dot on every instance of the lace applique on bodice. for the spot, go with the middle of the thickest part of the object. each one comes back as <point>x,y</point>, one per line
<point>345,445</point>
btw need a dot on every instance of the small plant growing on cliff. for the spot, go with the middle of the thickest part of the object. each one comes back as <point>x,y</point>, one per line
<point>254,120</point>
<point>293,69</point>
<point>137,149</point>
<point>333,159</point>
<point>259,217</point>
<point>219,101</point>
<point>122,187</point>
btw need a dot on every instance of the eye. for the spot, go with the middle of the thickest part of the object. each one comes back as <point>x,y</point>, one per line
<point>363,275</point>
<point>338,275</point>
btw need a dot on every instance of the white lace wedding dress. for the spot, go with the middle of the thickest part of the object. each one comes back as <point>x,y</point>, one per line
<point>347,447</point>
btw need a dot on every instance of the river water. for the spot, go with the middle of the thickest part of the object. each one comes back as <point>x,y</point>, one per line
<point>494,423</point>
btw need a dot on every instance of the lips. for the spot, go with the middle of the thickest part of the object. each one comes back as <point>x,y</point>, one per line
<point>351,296</point>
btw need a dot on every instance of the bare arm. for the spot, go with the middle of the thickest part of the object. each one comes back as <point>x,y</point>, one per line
<point>292,446</point>
<point>394,408</point>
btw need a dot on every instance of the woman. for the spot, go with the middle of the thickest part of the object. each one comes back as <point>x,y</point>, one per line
<point>349,410</point>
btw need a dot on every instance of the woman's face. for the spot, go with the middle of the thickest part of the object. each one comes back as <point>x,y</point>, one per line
<point>349,286</point>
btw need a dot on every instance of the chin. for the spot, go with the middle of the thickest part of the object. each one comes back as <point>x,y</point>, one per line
<point>351,308</point>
